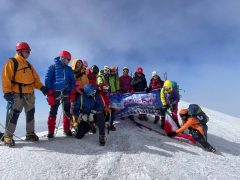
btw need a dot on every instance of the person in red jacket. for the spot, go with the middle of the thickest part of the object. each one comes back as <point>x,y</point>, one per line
<point>92,73</point>
<point>195,129</point>
<point>125,85</point>
<point>156,83</point>
<point>125,81</point>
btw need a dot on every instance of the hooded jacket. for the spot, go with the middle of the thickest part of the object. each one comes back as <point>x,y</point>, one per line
<point>191,123</point>
<point>139,83</point>
<point>170,97</point>
<point>59,77</point>
<point>156,83</point>
<point>79,75</point>
<point>125,84</point>
<point>23,75</point>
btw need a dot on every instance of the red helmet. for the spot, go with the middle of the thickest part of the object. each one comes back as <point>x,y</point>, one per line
<point>139,70</point>
<point>22,46</point>
<point>66,55</point>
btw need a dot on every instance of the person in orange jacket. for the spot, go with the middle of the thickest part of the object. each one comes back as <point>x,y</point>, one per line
<point>195,129</point>
<point>19,79</point>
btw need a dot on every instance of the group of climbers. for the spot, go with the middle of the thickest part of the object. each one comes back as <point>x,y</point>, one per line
<point>84,94</point>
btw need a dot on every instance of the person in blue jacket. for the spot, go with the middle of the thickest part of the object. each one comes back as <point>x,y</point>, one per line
<point>89,109</point>
<point>60,85</point>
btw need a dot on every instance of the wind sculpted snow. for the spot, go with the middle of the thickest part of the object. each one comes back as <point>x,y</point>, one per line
<point>130,153</point>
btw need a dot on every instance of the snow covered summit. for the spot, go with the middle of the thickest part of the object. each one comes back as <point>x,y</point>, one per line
<point>130,153</point>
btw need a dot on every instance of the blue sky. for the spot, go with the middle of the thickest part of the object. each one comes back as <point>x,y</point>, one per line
<point>196,42</point>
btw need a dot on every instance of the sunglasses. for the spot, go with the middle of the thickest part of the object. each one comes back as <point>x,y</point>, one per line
<point>79,63</point>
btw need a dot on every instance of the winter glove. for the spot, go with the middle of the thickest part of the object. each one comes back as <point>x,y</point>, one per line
<point>44,90</point>
<point>147,90</point>
<point>172,106</point>
<point>164,108</point>
<point>8,97</point>
<point>172,134</point>
<point>107,111</point>
<point>72,96</point>
<point>51,97</point>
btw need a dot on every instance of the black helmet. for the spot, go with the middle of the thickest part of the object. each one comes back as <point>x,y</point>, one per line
<point>94,69</point>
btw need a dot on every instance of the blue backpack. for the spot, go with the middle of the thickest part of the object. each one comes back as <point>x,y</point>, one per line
<point>194,110</point>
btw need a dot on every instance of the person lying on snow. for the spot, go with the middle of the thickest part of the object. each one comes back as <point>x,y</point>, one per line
<point>89,110</point>
<point>195,129</point>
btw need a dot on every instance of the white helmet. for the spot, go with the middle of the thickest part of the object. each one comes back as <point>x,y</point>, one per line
<point>154,73</point>
<point>106,68</point>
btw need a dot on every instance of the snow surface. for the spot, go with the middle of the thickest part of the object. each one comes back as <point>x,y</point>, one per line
<point>130,153</point>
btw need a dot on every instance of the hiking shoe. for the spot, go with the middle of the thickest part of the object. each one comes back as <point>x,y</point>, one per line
<point>102,140</point>
<point>50,135</point>
<point>9,141</point>
<point>68,133</point>
<point>112,128</point>
<point>32,137</point>
<point>156,119</point>
<point>131,117</point>
<point>211,149</point>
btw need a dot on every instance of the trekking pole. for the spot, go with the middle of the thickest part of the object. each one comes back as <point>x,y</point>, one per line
<point>9,107</point>
<point>109,122</point>
<point>61,102</point>
<point>165,75</point>
<point>10,132</point>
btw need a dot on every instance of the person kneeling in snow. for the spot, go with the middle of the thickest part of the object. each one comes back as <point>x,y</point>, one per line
<point>195,129</point>
<point>87,103</point>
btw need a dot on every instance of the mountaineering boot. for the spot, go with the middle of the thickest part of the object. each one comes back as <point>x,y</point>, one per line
<point>157,118</point>
<point>145,118</point>
<point>75,122</point>
<point>163,122</point>
<point>210,149</point>
<point>50,135</point>
<point>31,137</point>
<point>140,117</point>
<point>93,127</point>
<point>112,128</point>
<point>68,133</point>
<point>102,140</point>
<point>83,128</point>
<point>8,141</point>
<point>131,117</point>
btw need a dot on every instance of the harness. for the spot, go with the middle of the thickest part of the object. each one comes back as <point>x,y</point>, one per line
<point>20,85</point>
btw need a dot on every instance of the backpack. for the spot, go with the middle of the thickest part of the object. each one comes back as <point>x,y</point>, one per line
<point>194,110</point>
<point>175,85</point>
<point>16,67</point>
